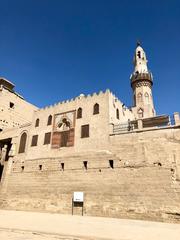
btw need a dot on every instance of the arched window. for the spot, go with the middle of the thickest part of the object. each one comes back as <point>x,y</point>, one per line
<point>139,96</point>
<point>146,97</point>
<point>139,54</point>
<point>49,122</point>
<point>117,113</point>
<point>140,113</point>
<point>37,122</point>
<point>96,109</point>
<point>134,100</point>
<point>79,113</point>
<point>22,144</point>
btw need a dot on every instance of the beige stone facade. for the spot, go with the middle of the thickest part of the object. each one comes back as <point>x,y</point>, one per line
<point>127,164</point>
<point>141,83</point>
<point>11,105</point>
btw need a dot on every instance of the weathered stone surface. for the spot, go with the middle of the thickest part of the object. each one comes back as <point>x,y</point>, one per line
<point>126,161</point>
<point>144,183</point>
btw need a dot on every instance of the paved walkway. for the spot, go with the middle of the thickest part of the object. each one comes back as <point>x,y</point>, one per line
<point>55,226</point>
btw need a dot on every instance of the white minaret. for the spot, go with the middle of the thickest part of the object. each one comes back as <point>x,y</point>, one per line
<point>140,61</point>
<point>141,83</point>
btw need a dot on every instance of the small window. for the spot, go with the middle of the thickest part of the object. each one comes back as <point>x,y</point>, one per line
<point>111,163</point>
<point>96,109</point>
<point>134,100</point>
<point>85,131</point>
<point>49,120</point>
<point>117,113</point>
<point>22,168</point>
<point>139,54</point>
<point>11,105</point>
<point>146,97</point>
<point>62,166</point>
<point>85,164</point>
<point>79,113</point>
<point>40,167</point>
<point>34,140</point>
<point>47,138</point>
<point>140,113</point>
<point>22,144</point>
<point>37,122</point>
<point>139,96</point>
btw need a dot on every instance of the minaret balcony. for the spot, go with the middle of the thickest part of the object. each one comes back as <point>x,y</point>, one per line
<point>141,77</point>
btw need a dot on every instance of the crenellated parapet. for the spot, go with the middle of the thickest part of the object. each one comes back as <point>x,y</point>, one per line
<point>79,98</point>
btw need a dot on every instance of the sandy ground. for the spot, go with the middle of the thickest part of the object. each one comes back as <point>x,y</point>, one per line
<point>22,235</point>
<point>19,225</point>
<point>7,234</point>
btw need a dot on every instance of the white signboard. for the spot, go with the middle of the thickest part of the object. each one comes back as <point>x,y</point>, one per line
<point>78,197</point>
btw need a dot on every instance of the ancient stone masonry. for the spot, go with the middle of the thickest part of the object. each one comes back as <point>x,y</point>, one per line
<point>126,161</point>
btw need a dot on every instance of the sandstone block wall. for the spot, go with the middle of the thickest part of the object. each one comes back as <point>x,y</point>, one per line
<point>14,116</point>
<point>98,125</point>
<point>143,183</point>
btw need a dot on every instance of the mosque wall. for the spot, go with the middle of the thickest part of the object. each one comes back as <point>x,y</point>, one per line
<point>136,176</point>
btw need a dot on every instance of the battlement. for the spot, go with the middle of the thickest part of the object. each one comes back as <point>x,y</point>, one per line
<point>79,98</point>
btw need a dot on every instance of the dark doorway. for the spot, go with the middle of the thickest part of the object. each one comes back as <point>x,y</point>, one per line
<point>1,171</point>
<point>5,146</point>
<point>7,143</point>
<point>64,138</point>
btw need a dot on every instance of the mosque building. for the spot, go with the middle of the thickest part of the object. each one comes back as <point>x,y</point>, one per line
<point>125,161</point>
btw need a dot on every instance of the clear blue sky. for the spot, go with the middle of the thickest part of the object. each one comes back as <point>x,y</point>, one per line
<point>56,49</point>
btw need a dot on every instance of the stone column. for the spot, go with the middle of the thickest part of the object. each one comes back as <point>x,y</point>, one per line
<point>3,154</point>
<point>7,167</point>
<point>176,118</point>
<point>140,123</point>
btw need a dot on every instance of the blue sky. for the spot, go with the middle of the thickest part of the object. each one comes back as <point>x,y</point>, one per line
<point>56,49</point>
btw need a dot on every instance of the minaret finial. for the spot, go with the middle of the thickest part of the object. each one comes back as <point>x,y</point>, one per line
<point>138,43</point>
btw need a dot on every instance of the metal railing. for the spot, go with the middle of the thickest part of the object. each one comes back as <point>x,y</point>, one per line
<point>157,122</point>
<point>123,127</point>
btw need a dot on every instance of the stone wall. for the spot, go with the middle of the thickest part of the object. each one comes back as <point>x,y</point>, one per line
<point>142,183</point>
<point>14,110</point>
<point>98,125</point>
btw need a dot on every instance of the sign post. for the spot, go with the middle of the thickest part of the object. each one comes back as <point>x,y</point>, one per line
<point>78,200</point>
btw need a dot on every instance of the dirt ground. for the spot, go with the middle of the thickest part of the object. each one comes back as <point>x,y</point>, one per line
<point>7,234</point>
<point>19,225</point>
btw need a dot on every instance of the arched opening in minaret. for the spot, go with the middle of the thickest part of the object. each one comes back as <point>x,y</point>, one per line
<point>134,100</point>
<point>139,54</point>
<point>146,97</point>
<point>140,113</point>
<point>139,97</point>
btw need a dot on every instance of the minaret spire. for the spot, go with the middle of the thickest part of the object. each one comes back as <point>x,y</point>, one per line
<point>141,83</point>
<point>138,43</point>
<point>140,61</point>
